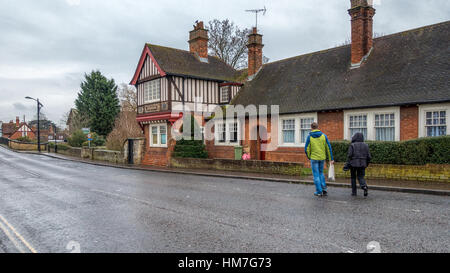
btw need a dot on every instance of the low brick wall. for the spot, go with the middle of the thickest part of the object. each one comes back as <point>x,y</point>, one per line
<point>25,146</point>
<point>287,168</point>
<point>429,172</point>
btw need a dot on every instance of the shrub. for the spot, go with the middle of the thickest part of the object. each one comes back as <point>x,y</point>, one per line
<point>77,139</point>
<point>24,139</point>
<point>63,147</point>
<point>433,150</point>
<point>97,140</point>
<point>190,149</point>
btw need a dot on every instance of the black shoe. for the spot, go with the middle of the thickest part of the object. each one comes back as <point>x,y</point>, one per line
<point>325,193</point>
<point>366,191</point>
<point>353,193</point>
<point>318,194</point>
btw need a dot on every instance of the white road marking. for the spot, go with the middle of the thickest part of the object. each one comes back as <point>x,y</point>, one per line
<point>17,234</point>
<point>11,238</point>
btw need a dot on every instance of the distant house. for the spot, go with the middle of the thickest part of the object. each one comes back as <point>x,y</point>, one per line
<point>22,129</point>
<point>70,119</point>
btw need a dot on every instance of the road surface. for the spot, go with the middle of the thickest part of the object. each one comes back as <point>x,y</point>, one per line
<point>53,205</point>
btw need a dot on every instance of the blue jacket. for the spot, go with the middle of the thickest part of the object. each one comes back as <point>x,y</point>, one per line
<point>318,147</point>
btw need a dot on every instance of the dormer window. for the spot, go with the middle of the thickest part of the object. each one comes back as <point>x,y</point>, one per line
<point>225,94</point>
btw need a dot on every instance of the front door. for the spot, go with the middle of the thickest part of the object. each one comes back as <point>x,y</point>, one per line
<point>130,151</point>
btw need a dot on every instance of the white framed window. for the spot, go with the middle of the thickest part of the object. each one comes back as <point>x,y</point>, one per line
<point>434,120</point>
<point>385,127</point>
<point>381,124</point>
<point>158,135</point>
<point>152,91</point>
<point>358,123</point>
<point>227,132</point>
<point>233,132</point>
<point>224,94</point>
<point>435,123</point>
<point>305,128</point>
<point>221,132</point>
<point>294,129</point>
<point>288,130</point>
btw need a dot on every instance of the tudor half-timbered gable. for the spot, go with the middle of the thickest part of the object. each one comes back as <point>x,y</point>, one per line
<point>170,81</point>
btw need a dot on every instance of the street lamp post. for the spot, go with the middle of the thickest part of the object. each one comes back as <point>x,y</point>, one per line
<point>39,106</point>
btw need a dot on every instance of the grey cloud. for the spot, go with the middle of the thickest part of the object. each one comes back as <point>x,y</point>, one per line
<point>63,42</point>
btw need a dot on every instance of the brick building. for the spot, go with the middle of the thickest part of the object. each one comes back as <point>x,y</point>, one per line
<point>17,130</point>
<point>389,88</point>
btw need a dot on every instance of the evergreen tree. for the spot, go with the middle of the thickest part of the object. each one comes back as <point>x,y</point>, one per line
<point>98,102</point>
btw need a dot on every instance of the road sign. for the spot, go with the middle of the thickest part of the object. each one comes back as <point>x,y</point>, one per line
<point>89,137</point>
<point>86,130</point>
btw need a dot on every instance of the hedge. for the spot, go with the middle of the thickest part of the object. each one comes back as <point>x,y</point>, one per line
<point>190,149</point>
<point>432,150</point>
<point>61,146</point>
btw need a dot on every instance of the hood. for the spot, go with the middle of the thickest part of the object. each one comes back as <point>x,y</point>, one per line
<point>358,137</point>
<point>315,133</point>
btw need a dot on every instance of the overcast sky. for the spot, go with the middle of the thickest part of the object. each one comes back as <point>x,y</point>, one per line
<point>46,46</point>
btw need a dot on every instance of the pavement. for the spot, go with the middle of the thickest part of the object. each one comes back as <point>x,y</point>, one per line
<point>425,187</point>
<point>53,205</point>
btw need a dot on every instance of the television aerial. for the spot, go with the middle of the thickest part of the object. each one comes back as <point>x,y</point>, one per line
<point>256,11</point>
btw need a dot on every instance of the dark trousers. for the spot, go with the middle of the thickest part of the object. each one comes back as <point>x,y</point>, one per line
<point>358,173</point>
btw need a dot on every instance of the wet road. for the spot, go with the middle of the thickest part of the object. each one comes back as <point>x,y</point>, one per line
<point>52,205</point>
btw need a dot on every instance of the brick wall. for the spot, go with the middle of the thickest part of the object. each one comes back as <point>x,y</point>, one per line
<point>429,172</point>
<point>332,124</point>
<point>409,122</point>
<point>18,134</point>
<point>157,156</point>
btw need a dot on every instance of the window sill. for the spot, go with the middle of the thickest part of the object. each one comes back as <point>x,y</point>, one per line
<point>226,144</point>
<point>291,145</point>
<point>158,146</point>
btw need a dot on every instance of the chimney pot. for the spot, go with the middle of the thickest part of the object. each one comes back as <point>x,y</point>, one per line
<point>198,40</point>
<point>255,55</point>
<point>17,121</point>
<point>361,13</point>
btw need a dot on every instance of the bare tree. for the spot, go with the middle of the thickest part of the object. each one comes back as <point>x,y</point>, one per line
<point>228,42</point>
<point>76,122</point>
<point>125,127</point>
<point>128,97</point>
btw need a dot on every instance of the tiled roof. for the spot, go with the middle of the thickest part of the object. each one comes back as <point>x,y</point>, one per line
<point>184,63</point>
<point>404,68</point>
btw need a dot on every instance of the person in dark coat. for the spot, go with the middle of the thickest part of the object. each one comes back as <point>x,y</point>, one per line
<point>358,158</point>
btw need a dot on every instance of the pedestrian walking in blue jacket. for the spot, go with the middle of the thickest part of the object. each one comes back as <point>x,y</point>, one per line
<point>318,149</point>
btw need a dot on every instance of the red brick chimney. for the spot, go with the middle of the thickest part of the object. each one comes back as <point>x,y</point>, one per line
<point>254,53</point>
<point>361,13</point>
<point>198,40</point>
<point>17,121</point>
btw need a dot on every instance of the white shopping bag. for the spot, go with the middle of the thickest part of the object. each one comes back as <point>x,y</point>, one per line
<point>331,172</point>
